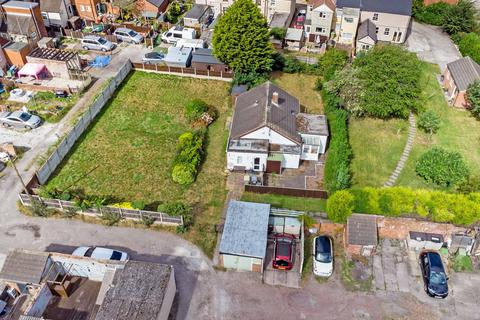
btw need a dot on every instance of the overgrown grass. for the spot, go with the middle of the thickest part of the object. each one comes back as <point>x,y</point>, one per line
<point>51,108</point>
<point>302,86</point>
<point>378,144</point>
<point>287,202</point>
<point>128,151</point>
<point>462,264</point>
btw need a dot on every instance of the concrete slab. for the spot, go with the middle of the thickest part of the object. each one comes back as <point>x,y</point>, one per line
<point>390,273</point>
<point>379,279</point>
<point>403,278</point>
<point>413,265</point>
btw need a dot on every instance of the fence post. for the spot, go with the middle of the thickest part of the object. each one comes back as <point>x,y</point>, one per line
<point>120,212</point>
<point>161,217</point>
<point>21,199</point>
<point>181,220</point>
<point>60,204</point>
<point>208,74</point>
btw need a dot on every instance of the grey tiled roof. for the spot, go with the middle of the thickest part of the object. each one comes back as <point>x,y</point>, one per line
<point>246,229</point>
<point>196,12</point>
<point>24,266</point>
<point>205,56</point>
<point>362,230</point>
<point>367,28</point>
<point>156,3</point>
<point>254,109</point>
<point>464,72</point>
<point>402,7</point>
<point>50,6</point>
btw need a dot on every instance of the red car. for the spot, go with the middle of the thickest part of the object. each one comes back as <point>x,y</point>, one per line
<point>300,22</point>
<point>283,252</point>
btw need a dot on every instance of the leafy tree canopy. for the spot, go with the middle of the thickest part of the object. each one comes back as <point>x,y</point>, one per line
<point>460,18</point>
<point>429,122</point>
<point>473,98</point>
<point>469,45</point>
<point>241,39</point>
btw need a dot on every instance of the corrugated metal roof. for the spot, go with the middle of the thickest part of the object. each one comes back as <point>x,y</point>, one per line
<point>254,109</point>
<point>246,229</point>
<point>464,72</point>
<point>24,266</point>
<point>205,56</point>
<point>362,229</point>
<point>402,7</point>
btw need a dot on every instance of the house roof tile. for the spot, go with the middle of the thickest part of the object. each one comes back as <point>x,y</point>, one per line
<point>464,72</point>
<point>401,7</point>
<point>362,230</point>
<point>367,29</point>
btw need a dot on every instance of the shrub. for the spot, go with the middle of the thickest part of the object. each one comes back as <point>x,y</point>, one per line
<point>293,65</point>
<point>278,33</point>
<point>429,122</point>
<point>188,157</point>
<point>340,206</point>
<point>176,209</point>
<point>111,218</point>
<point>442,167</point>
<point>331,61</point>
<point>195,108</point>
<point>460,18</point>
<point>147,220</point>
<point>433,14</point>
<point>39,209</point>
<point>473,99</point>
<point>250,79</point>
<point>469,45</point>
<point>183,174</point>
<point>138,204</point>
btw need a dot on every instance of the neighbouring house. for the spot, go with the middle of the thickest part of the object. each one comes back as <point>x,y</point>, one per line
<point>294,39</point>
<point>47,285</point>
<point>268,132</point>
<point>367,36</point>
<point>178,57</point>
<point>319,21</point>
<point>22,22</point>
<point>95,10</point>
<point>361,234</point>
<point>151,9</point>
<point>391,19</point>
<point>203,59</point>
<point>55,13</point>
<point>457,77</point>
<point>199,16</point>
<point>16,53</point>
<point>244,239</point>
<point>60,63</point>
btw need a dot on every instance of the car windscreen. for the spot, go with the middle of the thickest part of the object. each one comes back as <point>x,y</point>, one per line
<point>323,257</point>
<point>438,278</point>
<point>25,116</point>
<point>102,41</point>
<point>89,252</point>
<point>323,250</point>
<point>116,255</point>
<point>132,33</point>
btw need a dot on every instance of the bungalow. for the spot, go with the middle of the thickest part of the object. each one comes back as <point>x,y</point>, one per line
<point>268,132</point>
<point>199,16</point>
<point>457,77</point>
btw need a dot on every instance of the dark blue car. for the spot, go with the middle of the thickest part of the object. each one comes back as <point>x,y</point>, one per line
<point>434,275</point>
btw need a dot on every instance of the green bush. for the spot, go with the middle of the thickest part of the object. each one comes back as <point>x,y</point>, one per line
<point>433,14</point>
<point>461,17</point>
<point>442,167</point>
<point>183,174</point>
<point>250,79</point>
<point>429,122</point>
<point>188,157</point>
<point>469,45</point>
<point>293,65</point>
<point>340,206</point>
<point>331,61</point>
<point>473,99</point>
<point>278,33</point>
<point>176,209</point>
<point>195,108</point>
<point>439,206</point>
<point>138,204</point>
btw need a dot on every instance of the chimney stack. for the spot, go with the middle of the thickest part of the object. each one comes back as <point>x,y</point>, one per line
<point>275,98</point>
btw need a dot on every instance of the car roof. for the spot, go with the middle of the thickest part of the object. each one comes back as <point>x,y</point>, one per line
<point>91,37</point>
<point>323,244</point>
<point>435,261</point>
<point>16,113</point>
<point>123,29</point>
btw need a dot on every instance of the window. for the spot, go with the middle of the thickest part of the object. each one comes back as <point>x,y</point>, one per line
<point>256,164</point>
<point>82,8</point>
<point>399,37</point>
<point>88,9</point>
<point>375,17</point>
<point>307,29</point>
<point>320,30</point>
<point>44,15</point>
<point>322,15</point>
<point>365,47</point>
<point>349,20</point>
<point>306,149</point>
<point>272,3</point>
<point>239,160</point>
<point>314,150</point>
<point>387,31</point>
<point>347,35</point>
<point>376,30</point>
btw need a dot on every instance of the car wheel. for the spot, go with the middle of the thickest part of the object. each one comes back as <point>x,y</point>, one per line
<point>104,50</point>
<point>28,127</point>
<point>6,125</point>
<point>85,48</point>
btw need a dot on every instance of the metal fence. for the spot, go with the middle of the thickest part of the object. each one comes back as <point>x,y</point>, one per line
<point>187,72</point>
<point>130,214</point>
<point>44,173</point>
<point>306,193</point>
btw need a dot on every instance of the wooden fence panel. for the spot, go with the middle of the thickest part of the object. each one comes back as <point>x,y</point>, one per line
<point>322,194</point>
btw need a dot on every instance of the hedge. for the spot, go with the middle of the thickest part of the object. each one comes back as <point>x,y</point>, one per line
<point>438,206</point>
<point>469,45</point>
<point>189,156</point>
<point>337,174</point>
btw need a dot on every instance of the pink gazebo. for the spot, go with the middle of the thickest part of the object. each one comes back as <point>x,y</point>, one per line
<point>36,70</point>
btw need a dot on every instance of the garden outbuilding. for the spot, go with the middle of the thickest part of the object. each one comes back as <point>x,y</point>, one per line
<point>244,240</point>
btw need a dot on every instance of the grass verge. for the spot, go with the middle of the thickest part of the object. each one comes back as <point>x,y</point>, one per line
<point>287,202</point>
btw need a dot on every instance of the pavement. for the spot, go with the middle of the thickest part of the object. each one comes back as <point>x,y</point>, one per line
<point>431,44</point>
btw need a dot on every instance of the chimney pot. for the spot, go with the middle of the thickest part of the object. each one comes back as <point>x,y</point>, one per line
<point>275,98</point>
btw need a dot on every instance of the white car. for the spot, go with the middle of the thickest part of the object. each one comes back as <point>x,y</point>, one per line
<point>322,256</point>
<point>100,253</point>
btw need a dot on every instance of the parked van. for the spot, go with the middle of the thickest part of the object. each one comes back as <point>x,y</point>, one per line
<point>191,43</point>
<point>178,32</point>
<point>128,35</point>
<point>97,43</point>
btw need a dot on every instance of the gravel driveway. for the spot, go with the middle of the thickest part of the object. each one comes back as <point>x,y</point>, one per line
<point>431,44</point>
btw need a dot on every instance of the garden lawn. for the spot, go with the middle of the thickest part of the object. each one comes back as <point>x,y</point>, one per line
<point>127,153</point>
<point>287,202</point>
<point>377,147</point>
<point>302,86</point>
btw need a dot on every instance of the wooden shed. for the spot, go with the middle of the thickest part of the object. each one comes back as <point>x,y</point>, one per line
<point>203,59</point>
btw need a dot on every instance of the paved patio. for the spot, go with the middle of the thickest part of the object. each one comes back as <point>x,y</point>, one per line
<point>308,176</point>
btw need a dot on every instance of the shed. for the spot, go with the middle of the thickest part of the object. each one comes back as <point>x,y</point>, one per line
<point>16,53</point>
<point>361,234</point>
<point>60,63</point>
<point>178,57</point>
<point>244,240</point>
<point>203,59</point>
<point>24,267</point>
<point>198,16</point>
<point>294,39</point>
<point>425,240</point>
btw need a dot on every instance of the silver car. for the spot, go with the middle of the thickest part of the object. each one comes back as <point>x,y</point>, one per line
<point>97,43</point>
<point>19,119</point>
<point>128,35</point>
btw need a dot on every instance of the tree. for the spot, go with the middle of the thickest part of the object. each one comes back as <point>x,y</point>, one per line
<point>442,167</point>
<point>390,77</point>
<point>278,33</point>
<point>469,45</point>
<point>429,122</point>
<point>348,87</point>
<point>195,108</point>
<point>473,99</point>
<point>460,17</point>
<point>340,206</point>
<point>331,61</point>
<point>241,39</point>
